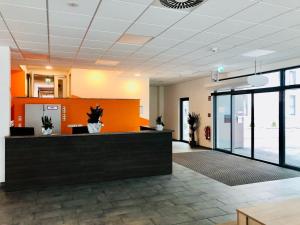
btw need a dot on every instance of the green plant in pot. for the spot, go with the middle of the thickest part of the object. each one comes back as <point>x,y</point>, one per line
<point>94,121</point>
<point>193,121</point>
<point>159,123</point>
<point>47,125</point>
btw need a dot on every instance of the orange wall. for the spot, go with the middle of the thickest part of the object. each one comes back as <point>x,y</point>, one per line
<point>118,116</point>
<point>18,83</point>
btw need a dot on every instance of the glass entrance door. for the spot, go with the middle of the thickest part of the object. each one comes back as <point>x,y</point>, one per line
<point>266,126</point>
<point>184,114</point>
<point>241,124</point>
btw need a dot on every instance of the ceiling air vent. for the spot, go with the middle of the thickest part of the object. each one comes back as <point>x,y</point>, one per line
<point>181,4</point>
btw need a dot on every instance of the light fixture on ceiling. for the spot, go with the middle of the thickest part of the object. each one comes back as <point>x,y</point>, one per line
<point>49,67</point>
<point>215,49</point>
<point>105,62</point>
<point>181,4</point>
<point>257,80</point>
<point>134,39</point>
<point>258,52</point>
<point>137,74</point>
<point>73,3</point>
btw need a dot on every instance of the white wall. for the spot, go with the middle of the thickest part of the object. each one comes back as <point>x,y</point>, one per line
<point>198,96</point>
<point>4,104</point>
<point>109,84</point>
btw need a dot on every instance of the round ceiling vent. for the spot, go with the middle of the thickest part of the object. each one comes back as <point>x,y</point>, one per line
<point>181,4</point>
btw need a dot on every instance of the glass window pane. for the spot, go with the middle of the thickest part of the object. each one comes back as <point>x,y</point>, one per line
<point>273,81</point>
<point>266,126</point>
<point>292,77</point>
<point>292,128</point>
<point>224,122</point>
<point>241,110</point>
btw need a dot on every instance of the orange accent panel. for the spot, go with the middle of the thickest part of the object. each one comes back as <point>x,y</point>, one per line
<point>119,115</point>
<point>18,83</point>
<point>144,122</point>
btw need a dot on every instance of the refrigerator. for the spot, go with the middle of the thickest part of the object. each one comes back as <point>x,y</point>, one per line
<point>34,113</point>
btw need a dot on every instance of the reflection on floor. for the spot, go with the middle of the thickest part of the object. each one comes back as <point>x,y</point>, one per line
<point>185,198</point>
<point>180,147</point>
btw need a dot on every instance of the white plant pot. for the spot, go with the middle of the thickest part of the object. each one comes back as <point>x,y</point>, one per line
<point>94,127</point>
<point>46,131</point>
<point>159,127</point>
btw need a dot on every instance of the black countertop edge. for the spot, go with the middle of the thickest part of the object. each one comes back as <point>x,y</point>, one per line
<point>100,134</point>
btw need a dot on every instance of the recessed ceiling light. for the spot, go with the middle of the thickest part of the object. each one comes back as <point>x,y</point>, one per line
<point>49,67</point>
<point>105,62</point>
<point>137,75</point>
<point>73,3</point>
<point>134,39</point>
<point>258,53</point>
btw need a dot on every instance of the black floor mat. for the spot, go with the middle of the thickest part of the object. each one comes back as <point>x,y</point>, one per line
<point>232,170</point>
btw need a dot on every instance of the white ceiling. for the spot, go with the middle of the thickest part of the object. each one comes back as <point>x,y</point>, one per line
<point>66,37</point>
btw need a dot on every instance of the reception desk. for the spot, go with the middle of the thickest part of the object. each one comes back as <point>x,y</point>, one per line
<point>40,161</point>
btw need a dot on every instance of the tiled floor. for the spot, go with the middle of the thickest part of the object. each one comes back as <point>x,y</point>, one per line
<point>185,198</point>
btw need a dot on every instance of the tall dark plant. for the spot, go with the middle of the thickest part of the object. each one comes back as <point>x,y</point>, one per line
<point>159,121</point>
<point>95,114</point>
<point>193,121</point>
<point>47,122</point>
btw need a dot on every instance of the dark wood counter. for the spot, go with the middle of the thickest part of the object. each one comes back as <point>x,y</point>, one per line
<point>75,159</point>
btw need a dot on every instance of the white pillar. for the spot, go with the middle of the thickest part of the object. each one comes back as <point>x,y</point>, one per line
<point>4,104</point>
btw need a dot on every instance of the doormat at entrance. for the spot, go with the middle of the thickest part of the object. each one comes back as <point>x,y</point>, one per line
<point>232,170</point>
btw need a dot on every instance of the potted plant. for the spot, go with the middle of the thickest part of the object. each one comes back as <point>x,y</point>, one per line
<point>47,125</point>
<point>193,121</point>
<point>94,121</point>
<point>159,123</point>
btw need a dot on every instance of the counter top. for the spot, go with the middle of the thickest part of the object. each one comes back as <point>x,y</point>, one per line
<point>81,135</point>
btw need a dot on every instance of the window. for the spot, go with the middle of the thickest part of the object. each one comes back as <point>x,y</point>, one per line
<point>292,105</point>
<point>273,81</point>
<point>292,77</point>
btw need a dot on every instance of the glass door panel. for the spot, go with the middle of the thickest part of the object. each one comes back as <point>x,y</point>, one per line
<point>266,126</point>
<point>184,115</point>
<point>241,124</point>
<point>223,122</point>
<point>292,127</point>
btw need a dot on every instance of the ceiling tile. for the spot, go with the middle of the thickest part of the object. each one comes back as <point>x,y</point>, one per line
<point>125,47</point>
<point>207,37</point>
<point>264,10</point>
<point>19,26</point>
<point>20,36</point>
<point>97,44</point>
<point>197,22</point>
<point>24,14</point>
<point>4,34</point>
<point>162,42</point>
<point>229,27</point>
<point>39,4</point>
<point>282,36</point>
<point>145,29</point>
<point>110,25</point>
<point>121,10</point>
<point>287,3</point>
<point>178,34</point>
<point>286,20</point>
<point>67,32</point>
<point>33,45</point>
<point>65,41</point>
<point>84,7</point>
<point>68,20</point>
<point>219,8</point>
<point>7,42</point>
<point>102,36</point>
<point>161,16</point>
<point>258,31</point>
